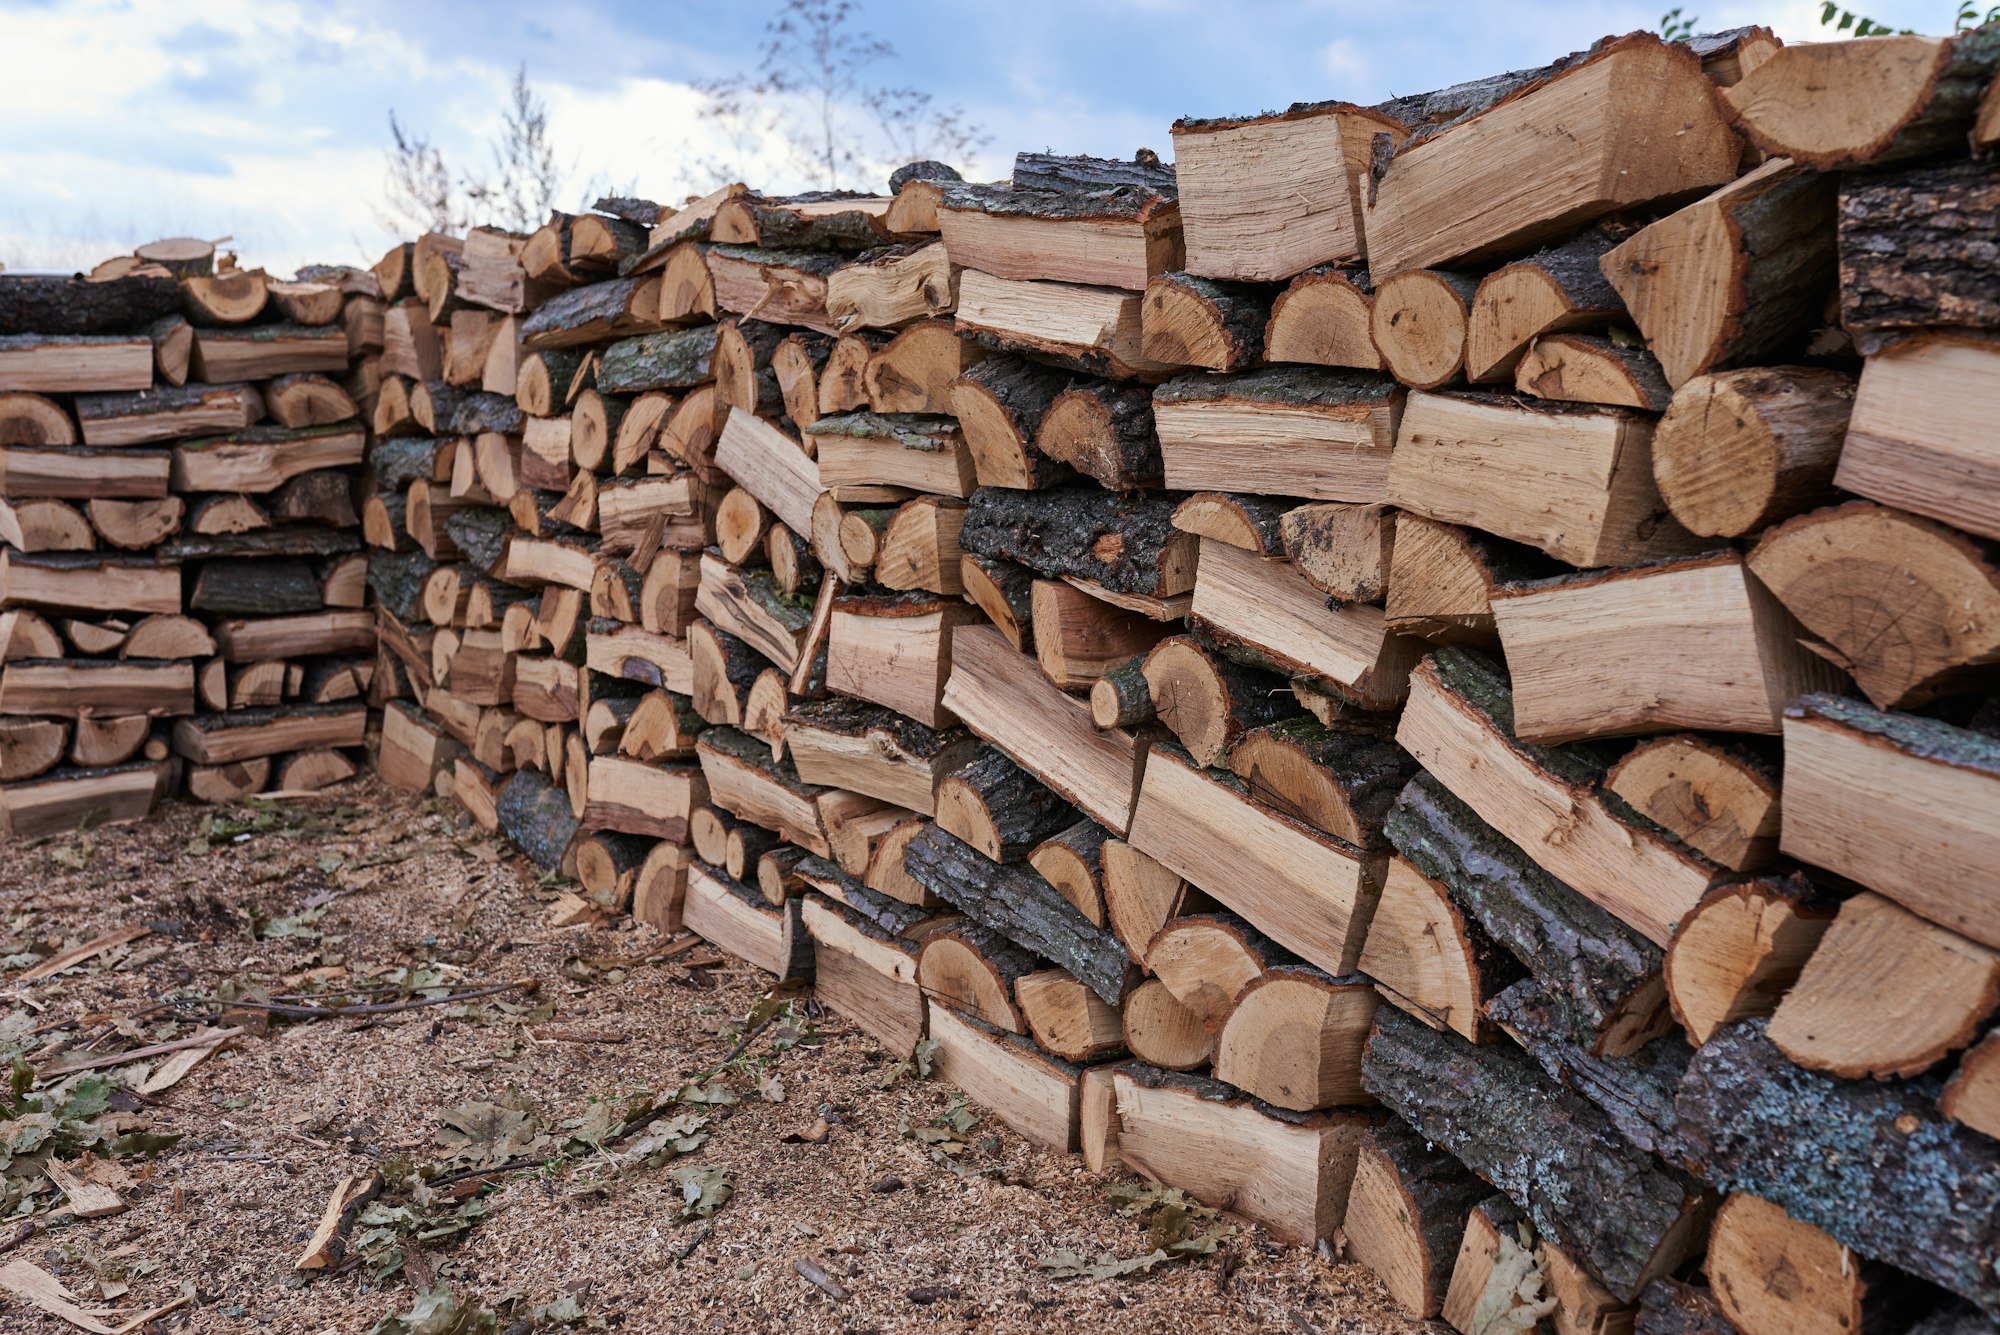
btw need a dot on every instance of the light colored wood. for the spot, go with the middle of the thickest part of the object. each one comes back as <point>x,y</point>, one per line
<point>69,688</point>
<point>1738,450</point>
<point>919,547</point>
<point>1972,1096</point>
<point>1578,485</point>
<point>1322,320</point>
<point>1420,952</point>
<point>1079,638</point>
<point>1716,800</point>
<point>1886,995</point>
<point>1121,253</point>
<point>1308,892</point>
<point>1293,1038</point>
<point>752,934</point>
<point>1694,643</point>
<point>1002,697</point>
<point>1267,197</point>
<point>48,526</point>
<point>894,291</point>
<point>730,603</point>
<point>140,419</point>
<point>1162,1031</point>
<point>1027,1091</point>
<point>760,795</point>
<point>1097,1129</point>
<point>927,455</point>
<point>57,803</point>
<point>31,746</point>
<point>896,654</point>
<point>1269,606</point>
<point>640,655</point>
<point>1097,326</point>
<point>1292,1177</point>
<point>1917,827</point>
<point>1516,304</point>
<point>1641,122</point>
<point>640,798</point>
<point>871,763</point>
<point>870,980</point>
<point>1341,549</point>
<point>250,640</point>
<point>771,466</point>
<point>92,364</point>
<point>1774,1275</point>
<point>1917,439</point>
<point>1738,952</point>
<point>108,586</point>
<point>240,739</point>
<point>251,465</point>
<point>1206,960</point>
<point>759,284</point>
<point>954,973</point>
<point>1844,104</point>
<point>1643,879</point>
<point>1418,323</point>
<point>1589,368</point>
<point>1140,895</point>
<point>1226,443</point>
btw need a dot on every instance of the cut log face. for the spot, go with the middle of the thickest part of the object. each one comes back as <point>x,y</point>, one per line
<point>1290,1174</point>
<point>1426,956</point>
<point>1071,860</point>
<point>1080,638</point>
<point>1770,1272</point>
<point>1911,440</point>
<point>1406,1215</point>
<point>1026,1089</point>
<point>896,650</point>
<point>1578,484</point>
<point>1890,98</point>
<point>1163,1032</point>
<point>1141,895</point>
<point>1067,1018</point>
<point>913,372</point>
<point>1911,608</point>
<point>1104,430</point>
<point>1324,435</point>
<point>1205,960</point>
<point>1418,322</point>
<point>1558,288</point>
<point>1193,321</point>
<point>1094,329</point>
<point>1740,950</point>
<point>1972,1096</point>
<point>999,405</point>
<point>1267,197</point>
<point>1886,995</point>
<point>1322,319</point>
<point>1307,891</point>
<point>1293,1037</point>
<point>1340,549</point>
<point>1586,368</point>
<point>902,285</point>
<point>1694,643</point>
<point>1899,803</point>
<point>1739,450</point>
<point>999,808</point>
<point>974,970</point>
<point>1340,782</point>
<point>1721,800</point>
<point>1455,194</point>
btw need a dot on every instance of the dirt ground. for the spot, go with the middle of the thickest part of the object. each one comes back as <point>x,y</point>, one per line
<point>924,1220</point>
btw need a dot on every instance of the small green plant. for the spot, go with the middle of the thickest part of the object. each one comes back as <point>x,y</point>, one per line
<point>1833,16</point>
<point>1676,26</point>
<point>1971,16</point>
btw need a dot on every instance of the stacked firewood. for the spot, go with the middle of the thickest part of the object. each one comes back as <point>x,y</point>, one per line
<point>181,583</point>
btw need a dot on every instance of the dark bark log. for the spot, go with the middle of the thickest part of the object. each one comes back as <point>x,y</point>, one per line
<point>891,916</point>
<point>324,496</point>
<point>1669,1307</point>
<point>535,814</point>
<point>398,462</point>
<point>295,541</point>
<point>993,799</point>
<point>255,588</point>
<point>642,212</point>
<point>1126,543</point>
<point>1023,907</point>
<point>464,412</point>
<point>779,223</point>
<point>676,359</point>
<point>1000,403</point>
<point>1958,1319</point>
<point>1918,249</point>
<point>1635,1092</point>
<point>1435,1193</point>
<point>1612,1209</point>
<point>585,315</point>
<point>397,581</point>
<point>1053,171</point>
<point>1350,773</point>
<point>47,304</point>
<point>1004,591</point>
<point>924,169</point>
<point>544,383</point>
<point>1254,523</point>
<point>1876,1166</point>
<point>1104,429</point>
<point>482,534</point>
<point>1193,321</point>
<point>1608,973</point>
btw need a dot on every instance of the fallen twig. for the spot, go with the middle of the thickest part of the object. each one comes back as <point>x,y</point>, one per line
<point>292,1012</point>
<point>139,1054</point>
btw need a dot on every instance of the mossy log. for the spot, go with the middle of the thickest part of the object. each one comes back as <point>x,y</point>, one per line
<point>1612,1208</point>
<point>675,359</point>
<point>1126,543</point>
<point>1609,974</point>
<point>1023,907</point>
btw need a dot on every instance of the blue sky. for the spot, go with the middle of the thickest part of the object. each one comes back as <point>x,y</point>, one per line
<point>266,120</point>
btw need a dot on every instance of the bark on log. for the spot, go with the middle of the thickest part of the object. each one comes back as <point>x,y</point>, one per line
<point>999,404</point>
<point>260,588</point>
<point>1669,1307</point>
<point>1341,782</point>
<point>1082,173</point>
<point>1126,543</point>
<point>1192,321</point>
<point>48,304</point>
<point>1254,523</point>
<point>1104,430</point>
<point>1004,591</point>
<point>1557,288</point>
<point>999,808</point>
<point>1610,1207</point>
<point>1322,320</point>
<point>1209,702</point>
<point>535,814</point>
<point>1122,697</point>
<point>1739,450</point>
<point>1406,1215</point>
<point>1607,971</point>
<point>1917,248</point>
<point>1876,1166</point>
<point>1023,907</point>
<point>397,580</point>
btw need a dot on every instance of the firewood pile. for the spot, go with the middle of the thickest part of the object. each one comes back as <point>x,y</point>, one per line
<point>1422,672</point>
<point>182,583</point>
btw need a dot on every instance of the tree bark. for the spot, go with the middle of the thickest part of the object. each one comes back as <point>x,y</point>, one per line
<point>255,588</point>
<point>1917,248</point>
<point>999,808</point>
<point>1103,429</point>
<point>1211,323</point>
<point>37,304</point>
<point>1126,543</point>
<point>999,404</point>
<point>535,814</point>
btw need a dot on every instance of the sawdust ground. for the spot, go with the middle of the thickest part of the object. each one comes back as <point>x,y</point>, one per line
<point>273,1124</point>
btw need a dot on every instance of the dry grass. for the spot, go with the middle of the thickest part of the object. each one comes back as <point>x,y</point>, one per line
<point>272,1125</point>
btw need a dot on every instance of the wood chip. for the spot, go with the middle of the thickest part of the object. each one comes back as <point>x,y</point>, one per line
<point>87,1199</point>
<point>38,1288</point>
<point>324,1247</point>
<point>139,1054</point>
<point>175,1068</point>
<point>809,1270</point>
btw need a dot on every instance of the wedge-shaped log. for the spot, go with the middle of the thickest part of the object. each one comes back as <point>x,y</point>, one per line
<point>1769,1271</point>
<point>997,807</point>
<point>1067,1018</point>
<point>1094,329</point>
<point>1720,798</point>
<point>1543,799</point>
<point>1338,781</point>
<point>1611,1207</point>
<point>1206,959</point>
<point>1119,237</point>
<point>999,405</point>
<point>771,466</point>
<point>1430,957</point>
<point>1028,1090</point>
<point>973,969</point>
<point>1575,482</point>
<point>1591,368</point>
<point>909,450</point>
<point>893,287</point>
<point>1325,435</point>
<point>1558,288</point>
<point>1914,439</point>
<point>1104,430</point>
<point>1126,543</point>
<point>1161,1031</point>
<point>1875,1166</point>
<point>1293,1038</point>
<point>1687,643</point>
<point>735,917</point>
<point>1307,891</point>
<point>1254,523</point>
<point>1268,608</point>
<point>1644,126</point>
<point>1406,1215</point>
<point>845,743</point>
<point>217,739</point>
<point>896,650</point>
<point>1740,950</point>
<point>1322,319</point>
<point>1192,321</point>
<point>866,974</point>
<point>1290,1172</point>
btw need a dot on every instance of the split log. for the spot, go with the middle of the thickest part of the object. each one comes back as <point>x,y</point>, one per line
<point>215,739</point>
<point>1740,450</point>
<point>773,467</point>
<point>1454,194</point>
<point>114,740</point>
<point>1556,289</point>
<point>1971,1097</point>
<point>1427,957</point>
<point>1588,368</point>
<point>1686,643</point>
<point>1321,434</point>
<point>1888,99</point>
<point>845,743</point>
<point>896,650</point>
<point>1418,322</point>
<point>1076,232</point>
<point>843,380</point>
<point>919,546</point>
<point>1208,702</point>
<point>724,668</point>
<point>593,313</point>
<point>735,918</point>
<point>1161,1031</point>
<point>28,472</point>
<point>1734,276</point>
<point>1004,591</point>
<point>1309,892</point>
<point>1321,319</point>
<point>1885,995</point>
<point>1188,320</point>
<point>1253,523</point>
<point>1067,1018</point>
<point>1872,1165</point>
<point>892,287</point>
<point>1071,860</point>
<point>1008,1075</point>
<point>1576,482</point>
<point>1289,1172</point>
<point>914,371</point>
<point>260,352</point>
<point>168,413</point>
<point>1906,442</point>
<point>1141,896</point>
<point>1406,1215</point>
<point>1103,430</point>
<point>1096,330</point>
<point>31,419</point>
<point>975,970</point>
<point>1770,1272</point>
<point>1206,959</point>
<point>1293,1037</point>
<point>870,450</point>
<point>50,526</point>
<point>1609,1206</point>
<point>1000,404</point>
<point>1080,637</point>
<point>653,800</point>
<point>1340,782</point>
<point>1739,951</point>
<point>536,818</point>
<point>1719,798</point>
<point>1442,579</point>
<point>1340,549</point>
<point>80,363</point>
<point>998,808</point>
<point>1607,972</point>
<point>660,726</point>
<point>1020,905</point>
<point>31,746</point>
<point>785,287</point>
<point>219,784</point>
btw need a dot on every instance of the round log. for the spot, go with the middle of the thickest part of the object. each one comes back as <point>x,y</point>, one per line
<point>1161,1032</point>
<point>1721,800</point>
<point>1772,1274</point>
<point>1293,1037</point>
<point>1418,323</point>
<point>236,296</point>
<point>1740,450</point>
<point>1209,702</point>
<point>741,523</point>
<point>709,829</point>
<point>1322,320</point>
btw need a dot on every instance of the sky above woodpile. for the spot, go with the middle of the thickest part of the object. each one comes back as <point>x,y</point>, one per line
<point>268,120</point>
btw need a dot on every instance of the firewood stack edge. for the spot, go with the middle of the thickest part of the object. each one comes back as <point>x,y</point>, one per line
<point>1432,689</point>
